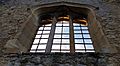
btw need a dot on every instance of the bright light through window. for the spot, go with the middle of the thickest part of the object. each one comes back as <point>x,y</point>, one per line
<point>61,39</point>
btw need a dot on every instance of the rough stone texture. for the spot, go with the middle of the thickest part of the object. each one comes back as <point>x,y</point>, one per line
<point>109,17</point>
<point>11,20</point>
<point>13,14</point>
<point>57,59</point>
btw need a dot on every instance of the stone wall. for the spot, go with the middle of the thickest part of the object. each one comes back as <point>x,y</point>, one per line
<point>11,20</point>
<point>14,13</point>
<point>109,17</point>
<point>58,59</point>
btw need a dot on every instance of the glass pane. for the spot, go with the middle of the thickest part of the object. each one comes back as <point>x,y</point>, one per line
<point>41,51</point>
<point>56,40</point>
<point>79,46</point>
<point>55,51</point>
<point>85,31</point>
<point>55,46</point>
<point>65,51</point>
<point>90,51</point>
<point>41,28</point>
<point>65,46</point>
<point>42,47</point>
<point>89,46</point>
<point>77,31</point>
<point>43,40</point>
<point>39,32</point>
<point>84,27</point>
<point>34,46</point>
<point>65,41</point>
<point>75,24</point>
<point>86,35</point>
<point>87,41</point>
<point>45,36</point>
<point>58,29</point>
<point>65,29</point>
<point>32,51</point>
<point>46,32</point>
<point>79,50</point>
<point>37,36</point>
<point>76,28</point>
<point>77,35</point>
<point>65,36</point>
<point>36,41</point>
<point>58,24</point>
<point>47,28</point>
<point>57,36</point>
<point>65,24</point>
<point>78,40</point>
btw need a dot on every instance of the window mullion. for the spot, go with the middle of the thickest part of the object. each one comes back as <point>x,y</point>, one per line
<point>51,36</point>
<point>61,36</point>
<point>83,37</point>
<point>40,38</point>
<point>72,46</point>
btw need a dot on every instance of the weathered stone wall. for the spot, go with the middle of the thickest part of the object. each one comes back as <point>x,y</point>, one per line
<point>109,17</point>
<point>14,13</point>
<point>58,59</point>
<point>11,20</point>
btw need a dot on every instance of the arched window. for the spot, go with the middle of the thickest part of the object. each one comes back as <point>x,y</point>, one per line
<point>63,34</point>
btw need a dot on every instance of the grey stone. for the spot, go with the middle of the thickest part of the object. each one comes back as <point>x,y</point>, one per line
<point>80,65</point>
<point>13,15</point>
<point>40,65</point>
<point>29,64</point>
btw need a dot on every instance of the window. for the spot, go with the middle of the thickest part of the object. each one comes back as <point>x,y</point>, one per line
<point>63,35</point>
<point>61,40</point>
<point>41,38</point>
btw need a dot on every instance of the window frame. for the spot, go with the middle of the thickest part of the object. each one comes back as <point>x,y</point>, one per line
<point>71,36</point>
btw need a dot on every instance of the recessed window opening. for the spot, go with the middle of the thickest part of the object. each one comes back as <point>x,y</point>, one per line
<point>61,40</point>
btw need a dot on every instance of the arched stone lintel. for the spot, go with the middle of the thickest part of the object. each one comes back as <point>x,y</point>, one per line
<point>37,9</point>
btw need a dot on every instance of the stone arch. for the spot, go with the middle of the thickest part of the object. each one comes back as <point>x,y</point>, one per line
<point>23,40</point>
